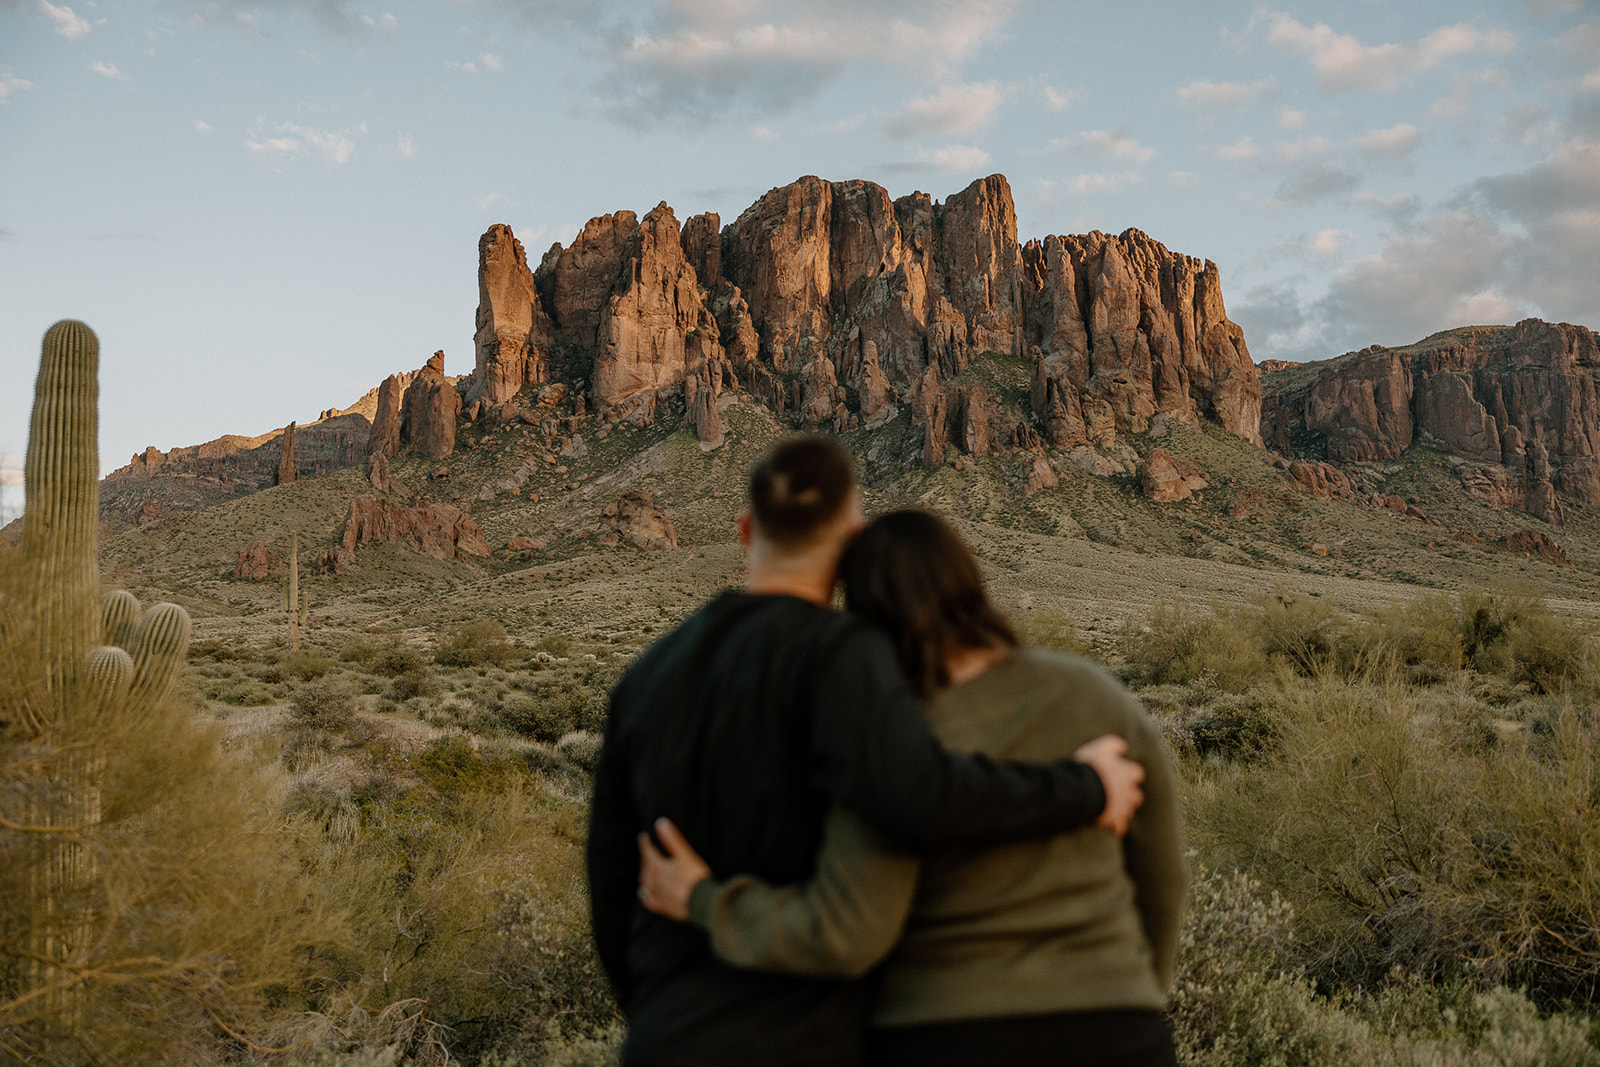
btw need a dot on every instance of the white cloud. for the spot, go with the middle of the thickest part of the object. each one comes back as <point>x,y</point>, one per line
<point>462,68</point>
<point>1344,63</point>
<point>1242,150</point>
<point>1292,119</point>
<point>492,63</point>
<point>1058,99</point>
<point>1108,144</point>
<point>10,83</point>
<point>1328,242</point>
<point>954,110</point>
<point>108,70</point>
<point>1392,146</point>
<point>722,58</point>
<point>330,15</point>
<point>68,24</point>
<point>762,132</point>
<point>202,126</point>
<point>1315,181</point>
<point>1208,98</point>
<point>1591,80</point>
<point>293,140</point>
<point>1092,184</point>
<point>406,146</point>
<point>1183,179</point>
<point>957,158</point>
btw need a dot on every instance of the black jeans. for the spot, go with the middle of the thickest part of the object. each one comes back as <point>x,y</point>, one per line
<point>1068,1039</point>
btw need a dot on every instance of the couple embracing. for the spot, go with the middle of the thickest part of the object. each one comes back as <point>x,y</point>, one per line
<point>886,835</point>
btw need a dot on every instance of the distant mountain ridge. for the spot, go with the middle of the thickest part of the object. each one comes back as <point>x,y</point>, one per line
<point>1519,406</point>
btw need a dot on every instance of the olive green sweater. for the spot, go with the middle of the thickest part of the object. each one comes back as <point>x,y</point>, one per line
<point>1078,922</point>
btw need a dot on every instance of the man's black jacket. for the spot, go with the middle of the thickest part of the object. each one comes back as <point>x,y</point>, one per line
<point>742,726</point>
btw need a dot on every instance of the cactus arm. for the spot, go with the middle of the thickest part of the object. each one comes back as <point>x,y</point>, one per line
<point>159,645</point>
<point>119,614</point>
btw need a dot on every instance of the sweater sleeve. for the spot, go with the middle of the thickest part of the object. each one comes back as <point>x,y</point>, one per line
<point>612,861</point>
<point>839,924</point>
<point>874,753</point>
<point>1153,849</point>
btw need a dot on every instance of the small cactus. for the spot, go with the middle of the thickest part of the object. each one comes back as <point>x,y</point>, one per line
<point>108,674</point>
<point>159,644</point>
<point>119,614</point>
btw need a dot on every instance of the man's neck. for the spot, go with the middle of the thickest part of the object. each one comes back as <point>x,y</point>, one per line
<point>815,588</point>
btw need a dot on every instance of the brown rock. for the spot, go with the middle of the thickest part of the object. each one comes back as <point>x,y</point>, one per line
<point>1036,475</point>
<point>1487,393</point>
<point>983,263</point>
<point>333,561</point>
<point>428,413</point>
<point>1317,549</point>
<point>931,408</point>
<point>1272,366</point>
<point>1321,479</point>
<point>645,326</point>
<point>1537,544</point>
<point>385,435</point>
<point>637,519</point>
<point>378,473</point>
<point>1167,479</point>
<point>1024,436</point>
<point>527,544</point>
<point>705,414</point>
<point>577,282</point>
<point>286,471</point>
<point>779,253</point>
<point>513,332</point>
<point>818,388</point>
<point>1539,494</point>
<point>970,420</point>
<point>440,530</point>
<point>254,563</point>
<point>873,390</point>
<point>1467,537</point>
<point>702,247</point>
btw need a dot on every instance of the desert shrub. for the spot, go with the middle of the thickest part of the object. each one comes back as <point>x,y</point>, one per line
<point>1179,643</point>
<point>308,665</point>
<point>1402,847</point>
<point>1421,638</point>
<point>1549,653</point>
<point>241,692</point>
<point>538,716</point>
<point>474,643</point>
<point>214,650</point>
<point>1243,728</point>
<point>323,705</point>
<point>1052,628</point>
<point>397,659</point>
<point>555,643</point>
<point>418,682</point>
<point>361,650</point>
<point>1305,633</point>
<point>581,747</point>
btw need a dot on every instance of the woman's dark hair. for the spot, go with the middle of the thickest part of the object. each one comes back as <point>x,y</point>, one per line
<point>910,573</point>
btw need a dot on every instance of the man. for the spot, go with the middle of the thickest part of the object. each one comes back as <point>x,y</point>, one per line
<point>742,726</point>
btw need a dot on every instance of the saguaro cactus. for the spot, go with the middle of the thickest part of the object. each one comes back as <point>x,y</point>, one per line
<point>293,596</point>
<point>62,619</point>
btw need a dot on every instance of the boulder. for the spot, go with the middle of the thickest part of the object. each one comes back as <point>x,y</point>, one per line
<point>378,475</point>
<point>1536,544</point>
<point>1167,478</point>
<point>1036,475</point>
<point>636,519</point>
<point>254,563</point>
<point>428,413</point>
<point>1321,479</point>
<point>440,530</point>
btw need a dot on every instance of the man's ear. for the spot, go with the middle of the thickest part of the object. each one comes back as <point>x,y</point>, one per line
<point>746,531</point>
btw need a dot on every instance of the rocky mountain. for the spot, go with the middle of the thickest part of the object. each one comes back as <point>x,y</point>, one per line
<point>828,303</point>
<point>837,307</point>
<point>1517,408</point>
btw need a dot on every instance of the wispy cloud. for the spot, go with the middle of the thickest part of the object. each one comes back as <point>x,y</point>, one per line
<point>202,126</point>
<point>287,140</point>
<point>954,110</point>
<point>108,70</point>
<point>1208,99</point>
<point>1107,144</point>
<point>67,23</point>
<point>332,16</point>
<point>1393,146</point>
<point>1345,63</point>
<point>957,157</point>
<point>10,83</point>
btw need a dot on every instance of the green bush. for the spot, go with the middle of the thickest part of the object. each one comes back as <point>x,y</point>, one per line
<point>555,643</point>
<point>361,650</point>
<point>580,747</point>
<point>308,665</point>
<point>397,659</point>
<point>414,683</point>
<point>1180,643</point>
<point>323,706</point>
<point>473,644</point>
<point>1053,628</point>
<point>1243,728</point>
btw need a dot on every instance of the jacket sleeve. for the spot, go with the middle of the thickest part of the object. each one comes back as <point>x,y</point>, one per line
<point>874,753</point>
<point>1153,850</point>
<point>612,859</point>
<point>840,924</point>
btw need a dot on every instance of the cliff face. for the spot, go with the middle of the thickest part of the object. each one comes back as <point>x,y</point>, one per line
<point>1522,401</point>
<point>830,301</point>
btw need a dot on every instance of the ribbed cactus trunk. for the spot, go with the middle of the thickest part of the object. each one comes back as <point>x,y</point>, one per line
<point>294,593</point>
<point>59,552</point>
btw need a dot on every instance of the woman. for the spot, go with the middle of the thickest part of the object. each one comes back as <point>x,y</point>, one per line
<point>1051,951</point>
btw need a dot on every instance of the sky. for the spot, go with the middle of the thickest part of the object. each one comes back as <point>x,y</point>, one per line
<point>263,207</point>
